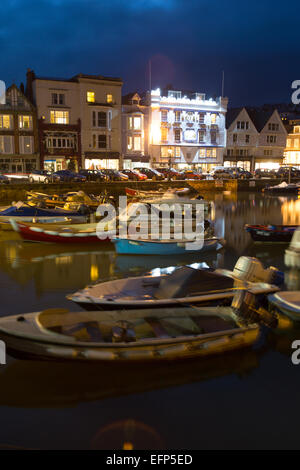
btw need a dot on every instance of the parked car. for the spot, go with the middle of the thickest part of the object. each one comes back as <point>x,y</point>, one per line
<point>225,173</point>
<point>151,173</point>
<point>134,175</point>
<point>239,172</point>
<point>3,179</point>
<point>41,176</point>
<point>285,171</point>
<point>265,173</point>
<point>68,176</point>
<point>114,175</point>
<point>93,175</point>
<point>191,175</point>
<point>169,173</point>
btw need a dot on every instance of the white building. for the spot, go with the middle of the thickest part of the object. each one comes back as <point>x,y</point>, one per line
<point>186,130</point>
<point>255,138</point>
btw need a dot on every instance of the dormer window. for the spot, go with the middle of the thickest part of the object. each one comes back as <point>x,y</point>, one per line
<point>90,96</point>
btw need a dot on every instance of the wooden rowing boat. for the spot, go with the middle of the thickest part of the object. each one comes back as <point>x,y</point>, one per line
<point>70,234</point>
<point>127,336</point>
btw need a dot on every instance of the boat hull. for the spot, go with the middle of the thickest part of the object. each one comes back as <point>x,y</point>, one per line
<point>29,338</point>
<point>125,246</point>
<point>263,233</point>
<point>45,235</point>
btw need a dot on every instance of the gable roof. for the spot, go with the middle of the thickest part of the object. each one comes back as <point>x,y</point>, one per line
<point>257,116</point>
<point>20,93</point>
<point>231,115</point>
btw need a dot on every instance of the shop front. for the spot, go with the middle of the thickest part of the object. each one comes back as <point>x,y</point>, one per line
<point>133,161</point>
<point>98,161</point>
<point>60,163</point>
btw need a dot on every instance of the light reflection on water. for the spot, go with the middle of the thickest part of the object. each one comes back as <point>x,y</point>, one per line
<point>226,394</point>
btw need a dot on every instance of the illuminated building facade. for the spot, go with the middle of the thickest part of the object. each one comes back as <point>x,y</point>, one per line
<point>255,139</point>
<point>292,150</point>
<point>187,130</point>
<point>18,133</point>
<point>135,131</point>
<point>79,120</point>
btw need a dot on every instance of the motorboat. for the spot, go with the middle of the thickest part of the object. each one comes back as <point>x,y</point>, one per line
<point>131,336</point>
<point>283,188</point>
<point>185,285</point>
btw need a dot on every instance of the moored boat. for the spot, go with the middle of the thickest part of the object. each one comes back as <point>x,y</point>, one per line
<point>282,188</point>
<point>271,233</point>
<point>21,211</point>
<point>127,246</point>
<point>128,336</point>
<point>292,253</point>
<point>286,303</point>
<point>183,286</point>
<point>47,233</point>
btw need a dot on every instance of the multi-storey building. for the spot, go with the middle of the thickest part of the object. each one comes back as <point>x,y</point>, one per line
<point>292,150</point>
<point>79,120</point>
<point>255,139</point>
<point>186,129</point>
<point>135,131</point>
<point>18,133</point>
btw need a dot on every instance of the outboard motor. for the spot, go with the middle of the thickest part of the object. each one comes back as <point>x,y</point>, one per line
<point>250,307</point>
<point>251,270</point>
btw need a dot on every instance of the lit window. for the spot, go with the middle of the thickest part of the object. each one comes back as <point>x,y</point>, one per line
<point>25,122</point>
<point>5,121</point>
<point>137,143</point>
<point>288,142</point>
<point>90,97</point>
<point>213,118</point>
<point>177,116</point>
<point>25,144</point>
<point>137,123</point>
<point>177,151</point>
<point>164,134</point>
<point>59,117</point>
<point>109,98</point>
<point>129,142</point>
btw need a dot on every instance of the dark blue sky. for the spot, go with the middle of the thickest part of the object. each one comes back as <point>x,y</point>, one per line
<point>189,43</point>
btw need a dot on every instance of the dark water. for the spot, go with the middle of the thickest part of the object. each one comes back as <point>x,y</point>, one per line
<point>243,400</point>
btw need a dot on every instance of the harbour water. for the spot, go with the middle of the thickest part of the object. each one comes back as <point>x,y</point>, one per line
<point>244,400</point>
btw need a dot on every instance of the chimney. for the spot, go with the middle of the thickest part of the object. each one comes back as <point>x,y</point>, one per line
<point>30,76</point>
<point>22,87</point>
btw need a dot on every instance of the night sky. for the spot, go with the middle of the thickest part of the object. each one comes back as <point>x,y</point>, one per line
<point>189,43</point>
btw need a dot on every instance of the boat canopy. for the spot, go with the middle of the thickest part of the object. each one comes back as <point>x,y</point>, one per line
<point>189,281</point>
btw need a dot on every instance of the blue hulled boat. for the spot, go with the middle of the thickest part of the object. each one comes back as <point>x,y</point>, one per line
<point>23,211</point>
<point>127,246</point>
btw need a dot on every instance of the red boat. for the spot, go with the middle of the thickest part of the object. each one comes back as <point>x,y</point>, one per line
<point>48,233</point>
